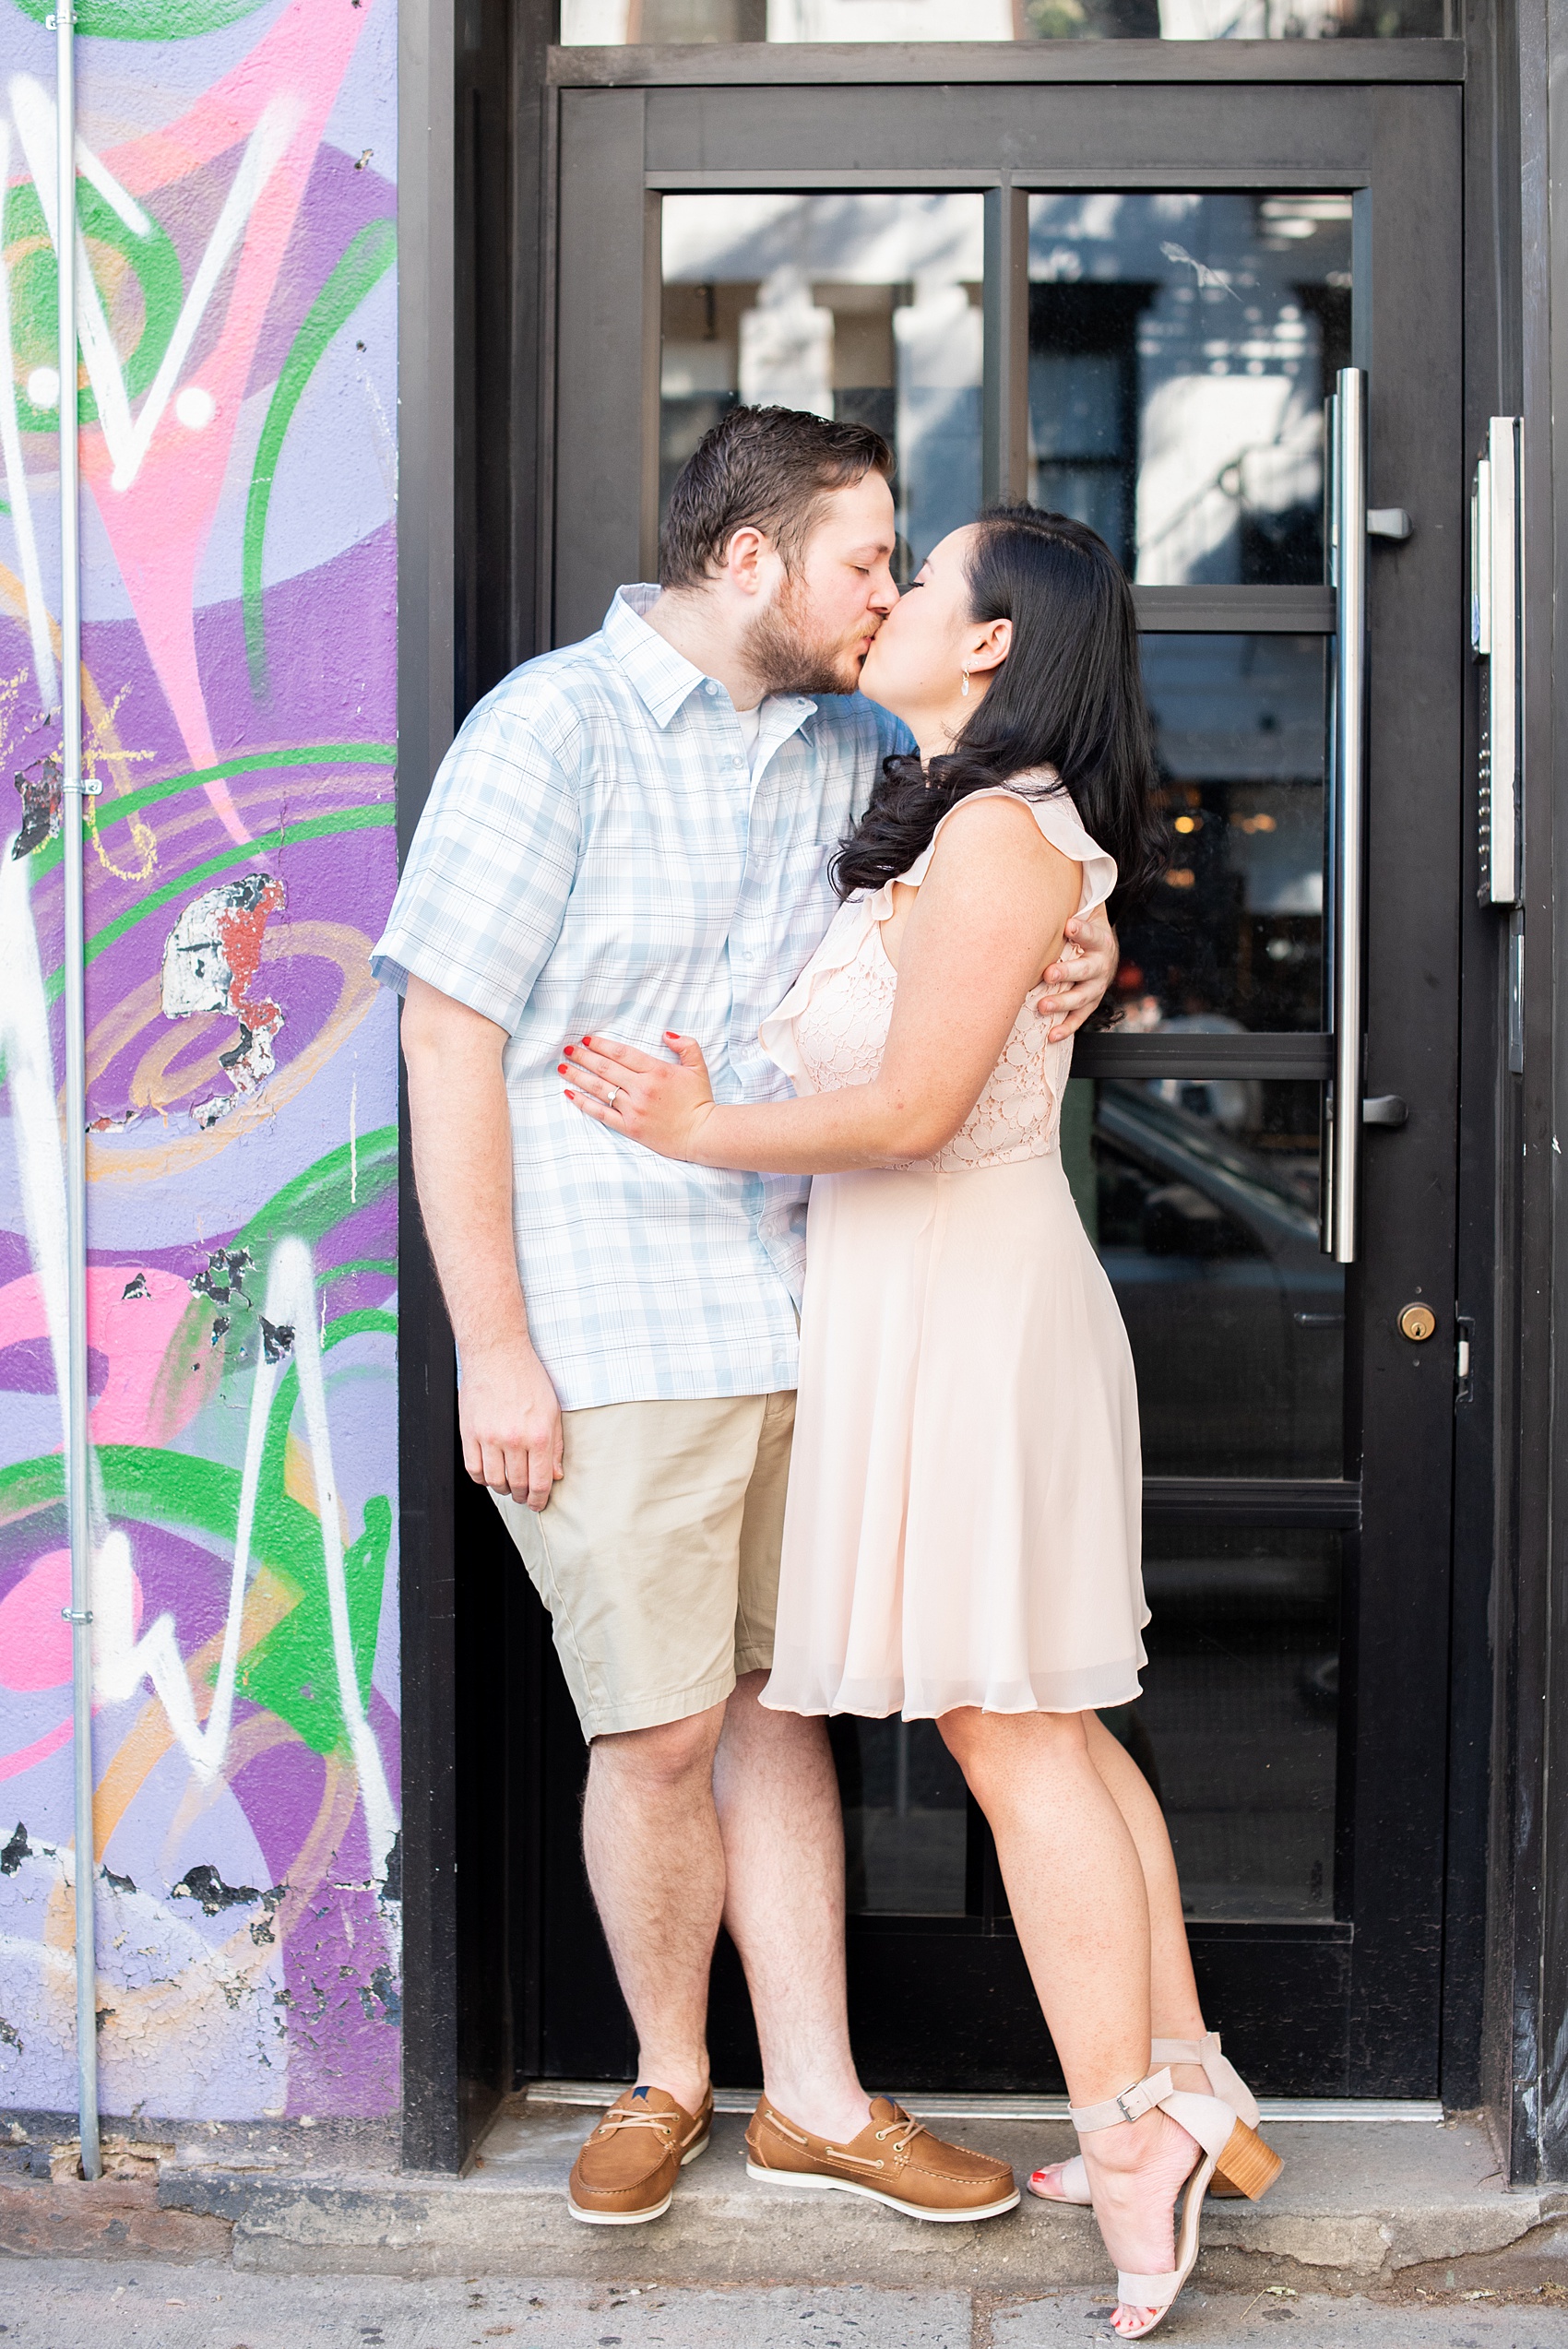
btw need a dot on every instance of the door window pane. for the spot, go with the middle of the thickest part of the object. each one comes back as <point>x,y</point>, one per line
<point>1231,938</point>
<point>594,21</point>
<point>904,1817</point>
<point>865,307</point>
<point>1236,1728</point>
<point>1181,348</point>
<point>1201,1198</point>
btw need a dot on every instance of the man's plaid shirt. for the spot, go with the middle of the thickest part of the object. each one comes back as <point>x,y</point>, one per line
<point>595,855</point>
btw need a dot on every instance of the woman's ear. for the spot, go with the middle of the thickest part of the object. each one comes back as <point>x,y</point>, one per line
<point>992,644</point>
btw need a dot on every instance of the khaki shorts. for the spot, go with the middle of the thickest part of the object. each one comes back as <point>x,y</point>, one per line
<point>658,1556</point>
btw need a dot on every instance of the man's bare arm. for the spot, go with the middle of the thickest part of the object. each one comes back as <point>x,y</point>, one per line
<point>508,1414</point>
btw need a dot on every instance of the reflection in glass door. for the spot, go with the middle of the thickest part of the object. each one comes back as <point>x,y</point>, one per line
<point>594,23</point>
<point>866,308</point>
<point>1181,349</point>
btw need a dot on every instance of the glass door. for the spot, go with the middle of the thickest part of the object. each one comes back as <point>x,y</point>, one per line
<point>1131,304</point>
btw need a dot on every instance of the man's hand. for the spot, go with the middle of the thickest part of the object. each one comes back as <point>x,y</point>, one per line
<point>510,1422</point>
<point>1082,972</point>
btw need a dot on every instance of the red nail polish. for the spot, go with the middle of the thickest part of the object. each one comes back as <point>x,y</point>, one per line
<point>560,1069</point>
<point>570,1094</point>
<point>588,1040</point>
<point>569,1049</point>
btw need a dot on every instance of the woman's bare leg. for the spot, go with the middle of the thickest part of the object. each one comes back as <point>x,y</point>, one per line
<point>1174,2011</point>
<point>1075,1884</point>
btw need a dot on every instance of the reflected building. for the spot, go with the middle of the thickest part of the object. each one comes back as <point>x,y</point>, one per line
<point>867,308</point>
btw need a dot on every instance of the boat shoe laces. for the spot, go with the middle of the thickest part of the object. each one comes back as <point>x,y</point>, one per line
<point>903,2130</point>
<point>617,2118</point>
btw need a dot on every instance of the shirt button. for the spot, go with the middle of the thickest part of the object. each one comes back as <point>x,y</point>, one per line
<point>710,687</point>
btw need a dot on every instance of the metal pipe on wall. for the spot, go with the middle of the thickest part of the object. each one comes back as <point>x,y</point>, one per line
<point>78,1492</point>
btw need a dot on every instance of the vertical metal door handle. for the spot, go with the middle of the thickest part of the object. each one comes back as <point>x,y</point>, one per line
<point>1494,638</point>
<point>1347,810</point>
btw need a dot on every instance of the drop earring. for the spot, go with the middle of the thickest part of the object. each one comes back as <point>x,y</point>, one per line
<point>963,688</point>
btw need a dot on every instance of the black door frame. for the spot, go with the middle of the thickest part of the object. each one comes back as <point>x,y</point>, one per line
<point>1364,1999</point>
<point>479,101</point>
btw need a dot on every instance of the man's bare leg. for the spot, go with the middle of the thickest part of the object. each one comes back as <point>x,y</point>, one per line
<point>650,1838</point>
<point>783,1832</point>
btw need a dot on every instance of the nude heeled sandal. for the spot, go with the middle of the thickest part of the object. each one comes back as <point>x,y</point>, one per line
<point>1251,2171</point>
<point>1214,2125</point>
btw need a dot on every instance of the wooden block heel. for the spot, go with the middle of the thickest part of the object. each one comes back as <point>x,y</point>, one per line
<point>1249,2164</point>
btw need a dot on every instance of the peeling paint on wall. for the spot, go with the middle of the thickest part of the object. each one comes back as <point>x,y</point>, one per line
<point>236,192</point>
<point>209,965</point>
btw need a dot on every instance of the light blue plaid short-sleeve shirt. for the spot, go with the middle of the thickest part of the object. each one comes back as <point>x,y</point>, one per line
<point>595,854</point>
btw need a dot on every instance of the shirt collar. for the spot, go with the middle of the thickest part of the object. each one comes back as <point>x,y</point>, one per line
<point>666,679</point>
<point>662,676</point>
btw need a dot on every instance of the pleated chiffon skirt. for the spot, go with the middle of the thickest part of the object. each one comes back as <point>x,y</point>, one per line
<point>965,1507</point>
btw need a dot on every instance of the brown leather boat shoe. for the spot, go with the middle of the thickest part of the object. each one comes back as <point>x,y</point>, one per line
<point>626,2174</point>
<point>895,2160</point>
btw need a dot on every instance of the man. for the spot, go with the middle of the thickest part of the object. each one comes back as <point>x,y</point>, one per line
<point>631,835</point>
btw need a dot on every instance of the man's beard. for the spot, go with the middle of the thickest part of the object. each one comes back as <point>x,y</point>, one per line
<point>790,656</point>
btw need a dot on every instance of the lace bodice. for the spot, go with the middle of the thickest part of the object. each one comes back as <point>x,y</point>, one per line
<point>831,1029</point>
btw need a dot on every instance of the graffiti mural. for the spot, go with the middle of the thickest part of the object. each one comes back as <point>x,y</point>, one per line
<point>236,177</point>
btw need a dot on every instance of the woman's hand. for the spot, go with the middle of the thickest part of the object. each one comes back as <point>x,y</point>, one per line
<point>663,1106</point>
<point>1080,975</point>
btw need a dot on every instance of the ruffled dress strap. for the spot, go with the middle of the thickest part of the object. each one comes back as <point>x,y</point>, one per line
<point>1050,803</point>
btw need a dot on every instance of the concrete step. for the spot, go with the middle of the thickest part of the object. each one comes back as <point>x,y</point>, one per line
<point>1361,2204</point>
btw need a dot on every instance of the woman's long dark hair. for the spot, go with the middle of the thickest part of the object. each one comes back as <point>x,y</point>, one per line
<point>1069,695</point>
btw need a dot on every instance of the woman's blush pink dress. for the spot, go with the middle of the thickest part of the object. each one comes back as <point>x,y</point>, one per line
<point>964,1514</point>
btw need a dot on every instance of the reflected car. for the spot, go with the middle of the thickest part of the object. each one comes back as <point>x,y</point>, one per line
<point>1235,1316</point>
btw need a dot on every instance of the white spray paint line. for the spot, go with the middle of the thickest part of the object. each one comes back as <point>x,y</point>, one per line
<point>354,1141</point>
<point>29,1068</point>
<point>120,1660</point>
<point>265,150</point>
<point>34,110</point>
<point>290,1291</point>
<point>290,1298</point>
<point>16,472</point>
<point>128,441</point>
<point>119,199</point>
<point>29,1073</point>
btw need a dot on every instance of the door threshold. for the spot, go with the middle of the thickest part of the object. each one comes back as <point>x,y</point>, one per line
<point>933,2107</point>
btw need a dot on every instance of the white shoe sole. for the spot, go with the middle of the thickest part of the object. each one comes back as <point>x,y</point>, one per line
<point>874,2194</point>
<point>638,2218</point>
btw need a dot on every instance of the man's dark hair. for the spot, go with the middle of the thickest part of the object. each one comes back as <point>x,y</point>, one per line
<point>763,468</point>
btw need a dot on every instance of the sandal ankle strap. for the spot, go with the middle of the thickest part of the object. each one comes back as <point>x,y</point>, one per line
<point>1131,2105</point>
<point>1185,2050</point>
<point>1224,2079</point>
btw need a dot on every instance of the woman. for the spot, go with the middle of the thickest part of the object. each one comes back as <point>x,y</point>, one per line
<point>962,1538</point>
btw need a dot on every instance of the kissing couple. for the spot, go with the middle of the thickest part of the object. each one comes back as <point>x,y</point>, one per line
<point>742,946</point>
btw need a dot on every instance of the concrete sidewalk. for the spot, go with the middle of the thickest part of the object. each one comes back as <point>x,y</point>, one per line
<point>1386,2206</point>
<point>66,2304</point>
<point>1360,2203</point>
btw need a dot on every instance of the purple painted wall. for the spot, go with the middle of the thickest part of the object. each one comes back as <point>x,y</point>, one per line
<point>236,179</point>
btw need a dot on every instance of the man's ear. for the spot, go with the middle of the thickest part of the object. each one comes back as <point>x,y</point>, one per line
<point>744,559</point>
